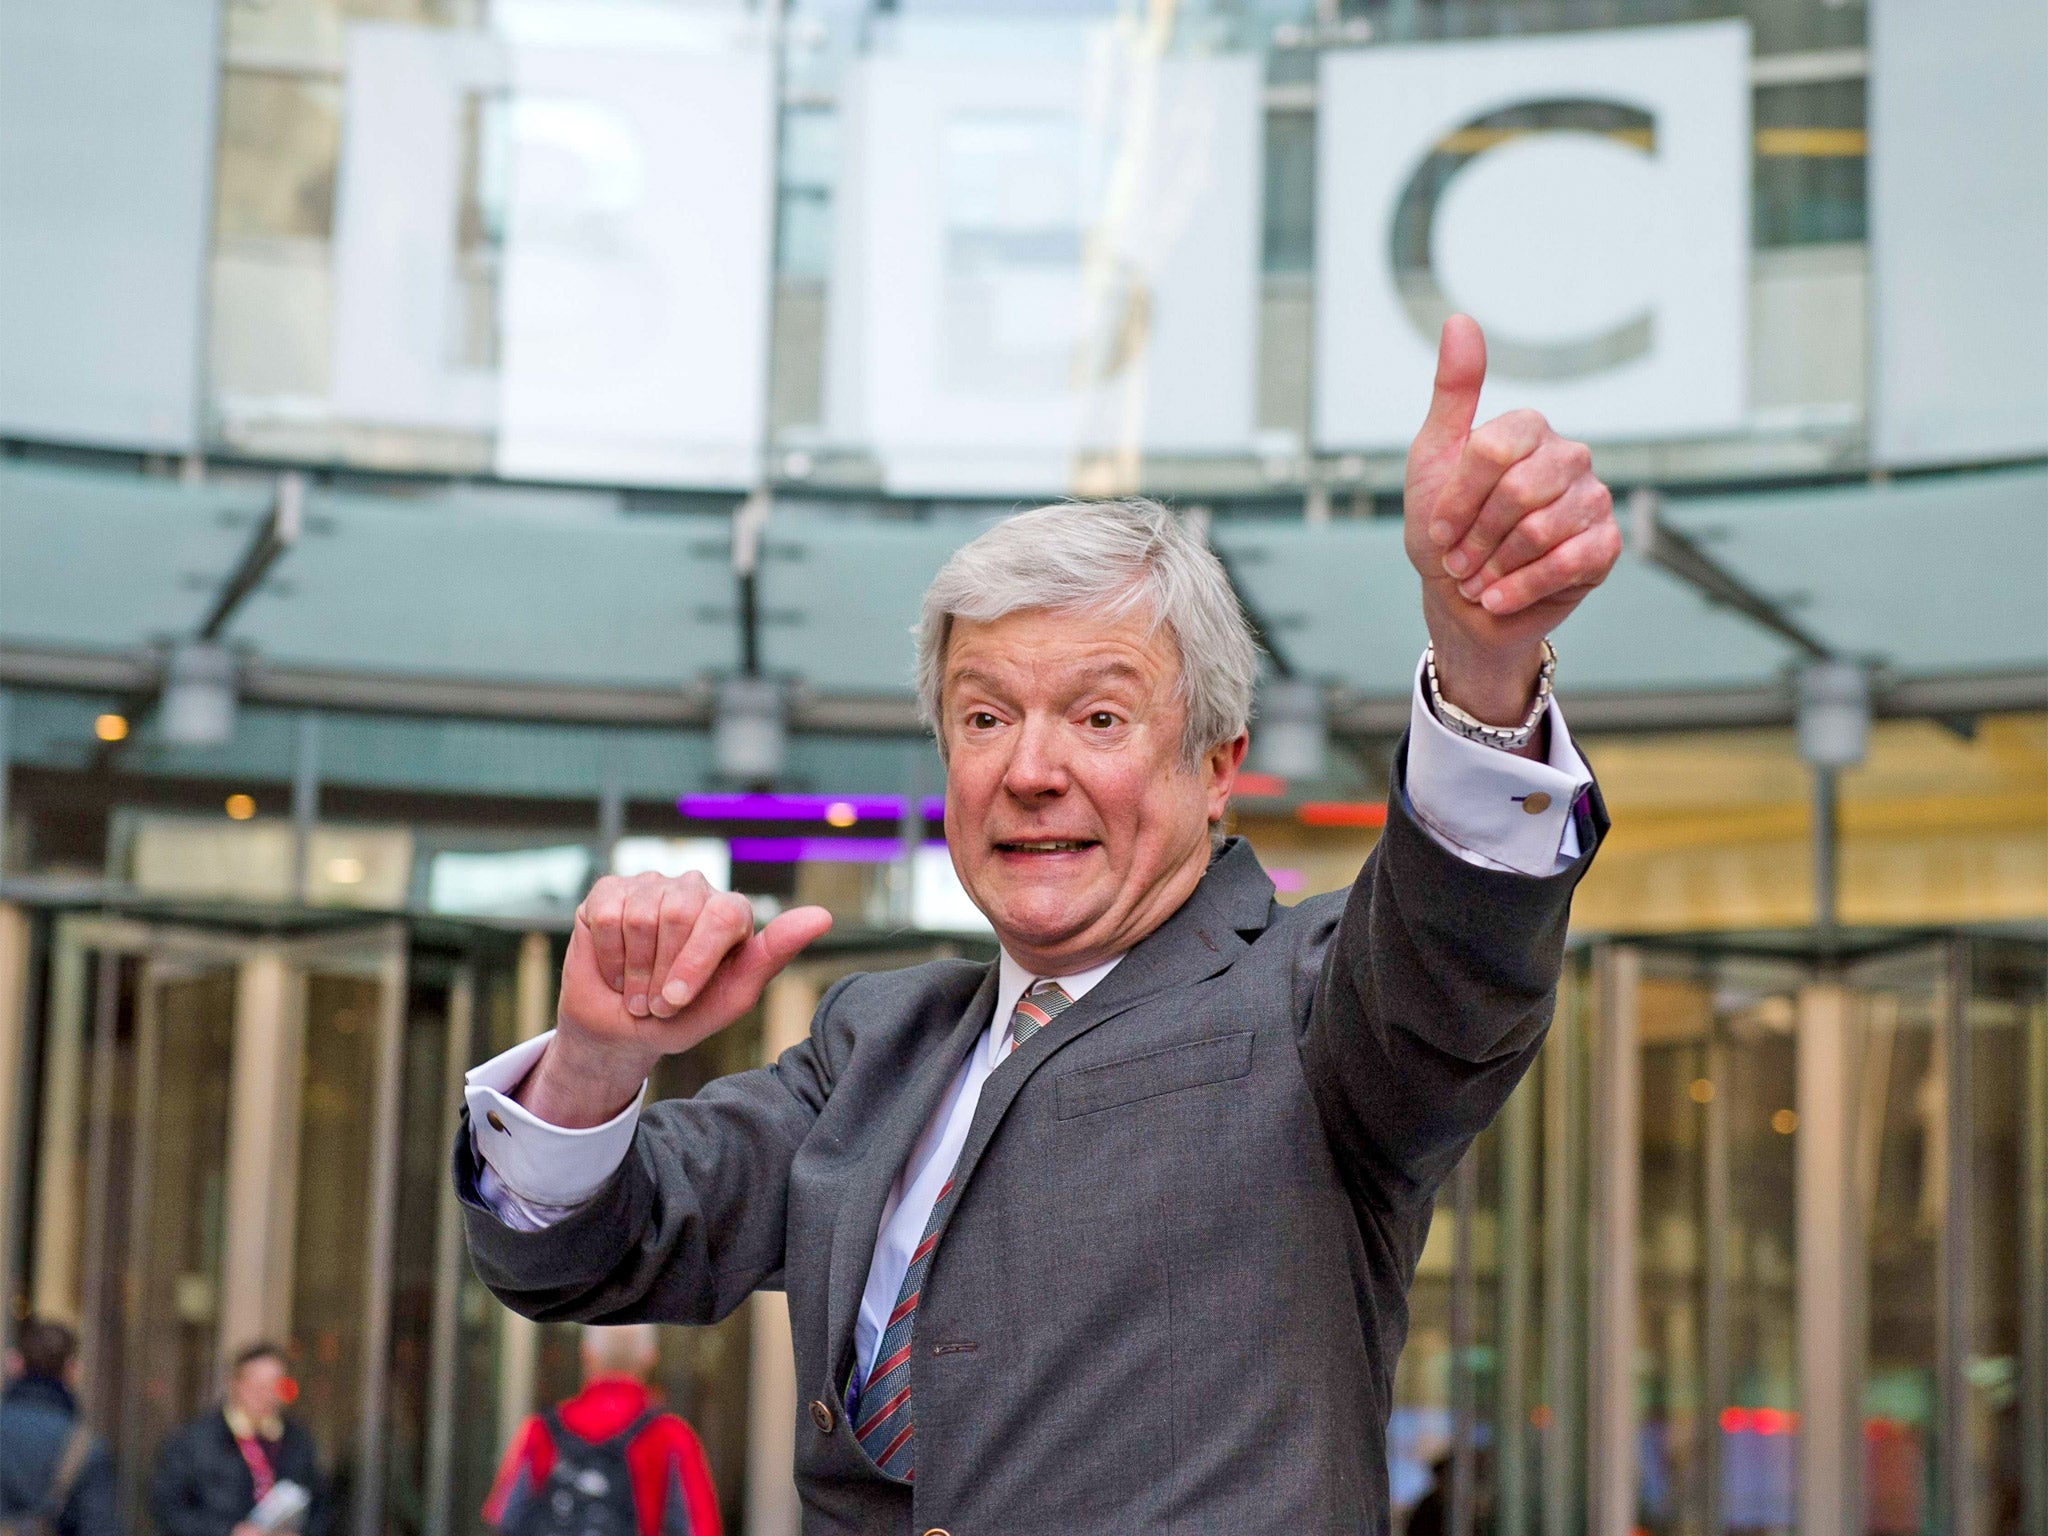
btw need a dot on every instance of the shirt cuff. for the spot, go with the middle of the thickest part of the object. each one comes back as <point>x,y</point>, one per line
<point>1493,808</point>
<point>543,1171</point>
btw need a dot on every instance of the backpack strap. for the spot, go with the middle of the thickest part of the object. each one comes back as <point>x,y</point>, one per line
<point>558,1431</point>
<point>632,1431</point>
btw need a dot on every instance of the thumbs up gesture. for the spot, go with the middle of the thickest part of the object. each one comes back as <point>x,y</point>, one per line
<point>1509,528</point>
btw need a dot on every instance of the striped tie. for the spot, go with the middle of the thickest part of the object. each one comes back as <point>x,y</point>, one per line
<point>880,1409</point>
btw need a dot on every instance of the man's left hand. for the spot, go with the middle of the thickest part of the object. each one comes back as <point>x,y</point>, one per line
<point>1509,528</point>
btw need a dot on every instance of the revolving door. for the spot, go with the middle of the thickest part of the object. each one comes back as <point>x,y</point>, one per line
<point>1760,1246</point>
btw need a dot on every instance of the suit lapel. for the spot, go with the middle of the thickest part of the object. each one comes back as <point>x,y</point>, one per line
<point>857,1226</point>
<point>1204,937</point>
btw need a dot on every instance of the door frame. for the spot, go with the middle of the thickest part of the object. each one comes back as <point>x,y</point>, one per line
<point>260,1204</point>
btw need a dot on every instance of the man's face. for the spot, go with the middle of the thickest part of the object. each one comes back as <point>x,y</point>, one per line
<point>1071,819</point>
<point>259,1387</point>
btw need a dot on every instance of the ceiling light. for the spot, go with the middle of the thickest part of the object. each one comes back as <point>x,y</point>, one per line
<point>1292,735</point>
<point>241,807</point>
<point>1834,713</point>
<point>198,708</point>
<point>111,728</point>
<point>749,730</point>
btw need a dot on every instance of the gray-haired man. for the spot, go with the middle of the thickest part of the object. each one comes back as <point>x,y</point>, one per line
<point>1114,1234</point>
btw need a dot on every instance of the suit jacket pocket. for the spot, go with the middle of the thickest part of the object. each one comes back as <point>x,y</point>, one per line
<point>1215,1060</point>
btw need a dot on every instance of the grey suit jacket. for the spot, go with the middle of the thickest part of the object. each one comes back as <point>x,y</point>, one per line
<point>1173,1290</point>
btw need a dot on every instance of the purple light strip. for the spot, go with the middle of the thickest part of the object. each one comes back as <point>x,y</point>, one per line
<point>787,807</point>
<point>770,807</point>
<point>818,850</point>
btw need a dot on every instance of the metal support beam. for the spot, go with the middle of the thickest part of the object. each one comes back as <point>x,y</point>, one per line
<point>1714,1261</point>
<point>688,706</point>
<point>749,522</point>
<point>1464,1438</point>
<point>279,531</point>
<point>611,820</point>
<point>305,797</point>
<point>1826,845</point>
<point>1663,545</point>
<point>380,1234</point>
<point>1617,1119</point>
<point>17,1071</point>
<point>1954,1312</point>
<point>1564,1315</point>
<point>445,1328</point>
<point>1828,1251</point>
<point>1515,1258</point>
<point>5,701</point>
<point>2034,1274</point>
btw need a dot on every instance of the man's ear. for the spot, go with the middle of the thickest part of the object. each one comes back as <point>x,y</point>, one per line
<point>15,1364</point>
<point>1221,764</point>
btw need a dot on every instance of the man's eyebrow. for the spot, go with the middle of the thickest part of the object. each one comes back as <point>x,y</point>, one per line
<point>1089,673</point>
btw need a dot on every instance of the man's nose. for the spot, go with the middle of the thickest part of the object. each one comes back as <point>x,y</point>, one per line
<point>1037,765</point>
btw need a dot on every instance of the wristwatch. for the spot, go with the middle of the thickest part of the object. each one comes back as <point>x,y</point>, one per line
<point>1508,738</point>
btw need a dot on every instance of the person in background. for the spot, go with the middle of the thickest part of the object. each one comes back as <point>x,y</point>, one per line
<point>1432,1515</point>
<point>608,1462</point>
<point>212,1475</point>
<point>56,1478</point>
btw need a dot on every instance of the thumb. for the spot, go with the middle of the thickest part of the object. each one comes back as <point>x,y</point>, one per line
<point>1460,371</point>
<point>779,943</point>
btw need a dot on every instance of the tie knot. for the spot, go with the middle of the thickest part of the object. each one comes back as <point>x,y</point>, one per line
<point>1041,1003</point>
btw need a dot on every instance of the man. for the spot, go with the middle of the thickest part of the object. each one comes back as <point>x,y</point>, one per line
<point>650,1474</point>
<point>212,1474</point>
<point>56,1478</point>
<point>1116,1233</point>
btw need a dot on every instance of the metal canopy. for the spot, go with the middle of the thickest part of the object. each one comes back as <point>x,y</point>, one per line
<point>496,607</point>
<point>1941,574</point>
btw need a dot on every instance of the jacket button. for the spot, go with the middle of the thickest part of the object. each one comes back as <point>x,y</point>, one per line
<point>821,1415</point>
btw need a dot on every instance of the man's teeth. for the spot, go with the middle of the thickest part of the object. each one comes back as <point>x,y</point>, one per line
<point>1049,846</point>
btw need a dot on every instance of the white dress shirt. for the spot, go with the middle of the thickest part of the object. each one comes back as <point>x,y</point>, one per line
<point>1489,807</point>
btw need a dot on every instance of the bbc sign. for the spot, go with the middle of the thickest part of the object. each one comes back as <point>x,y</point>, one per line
<point>1585,197</point>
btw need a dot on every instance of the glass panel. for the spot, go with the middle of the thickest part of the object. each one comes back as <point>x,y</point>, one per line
<point>1675,1026</point>
<point>1754,1012</point>
<point>2003,1012</point>
<point>336,1127</point>
<point>479,1317</point>
<point>1717,1385</point>
<point>1810,157</point>
<point>1901,1153</point>
<point>152,1262</point>
<point>1289,239</point>
<point>422,1167</point>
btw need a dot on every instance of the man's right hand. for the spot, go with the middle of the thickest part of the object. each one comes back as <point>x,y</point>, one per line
<point>655,965</point>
